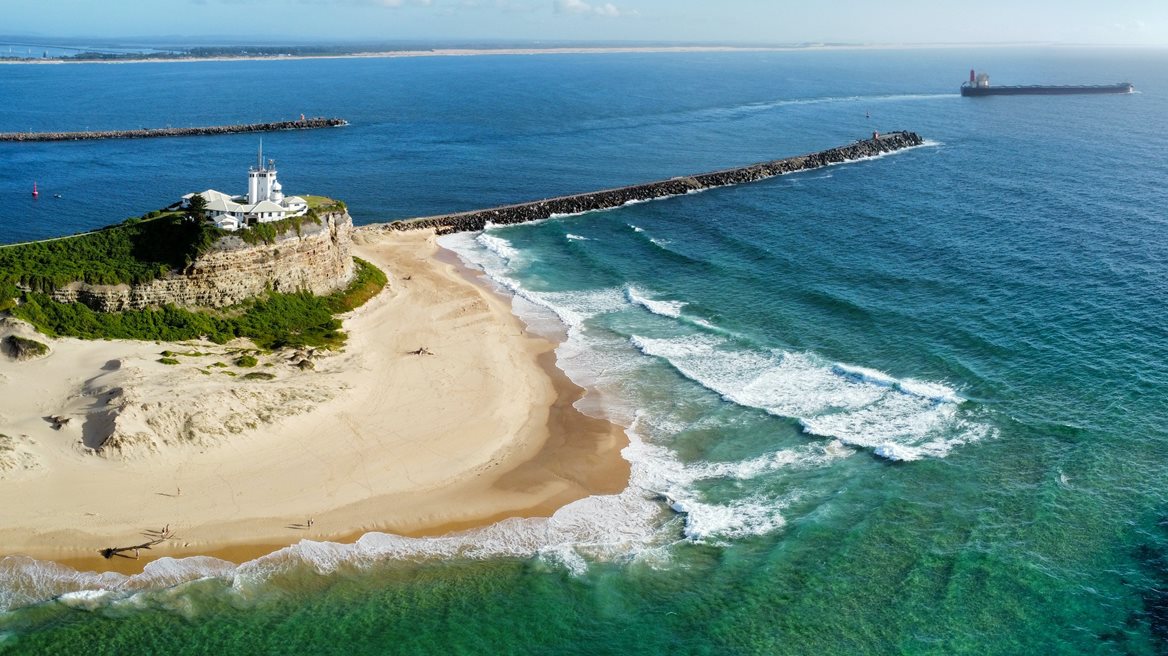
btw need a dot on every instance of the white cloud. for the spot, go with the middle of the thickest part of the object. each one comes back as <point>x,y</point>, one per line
<point>607,9</point>
<point>582,8</point>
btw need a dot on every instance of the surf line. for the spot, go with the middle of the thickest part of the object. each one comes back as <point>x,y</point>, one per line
<point>147,133</point>
<point>539,210</point>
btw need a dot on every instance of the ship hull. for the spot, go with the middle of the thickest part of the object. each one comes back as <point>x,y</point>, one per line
<point>1125,87</point>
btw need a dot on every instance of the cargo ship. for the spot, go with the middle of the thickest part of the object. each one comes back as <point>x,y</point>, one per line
<point>979,85</point>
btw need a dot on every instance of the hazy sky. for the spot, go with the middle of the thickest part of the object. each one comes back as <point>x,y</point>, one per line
<point>776,21</point>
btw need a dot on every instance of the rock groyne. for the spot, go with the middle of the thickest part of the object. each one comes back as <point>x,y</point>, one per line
<point>146,133</point>
<point>609,198</point>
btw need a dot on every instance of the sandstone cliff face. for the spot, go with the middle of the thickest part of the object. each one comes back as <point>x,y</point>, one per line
<point>318,260</point>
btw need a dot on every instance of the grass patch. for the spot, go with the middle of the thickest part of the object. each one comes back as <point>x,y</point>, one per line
<point>324,204</point>
<point>259,375</point>
<point>272,322</point>
<point>171,361</point>
<point>368,281</point>
<point>246,361</point>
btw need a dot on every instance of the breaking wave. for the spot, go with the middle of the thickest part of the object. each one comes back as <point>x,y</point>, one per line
<point>670,309</point>
<point>899,419</point>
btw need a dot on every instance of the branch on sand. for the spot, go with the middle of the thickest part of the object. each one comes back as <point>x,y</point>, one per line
<point>156,537</point>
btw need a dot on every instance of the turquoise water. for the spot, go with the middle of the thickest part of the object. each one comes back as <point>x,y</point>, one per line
<point>913,404</point>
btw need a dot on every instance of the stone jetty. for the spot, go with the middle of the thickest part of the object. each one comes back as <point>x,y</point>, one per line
<point>146,133</point>
<point>609,198</point>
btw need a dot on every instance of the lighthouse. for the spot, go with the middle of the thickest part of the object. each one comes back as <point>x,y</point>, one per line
<point>261,179</point>
<point>265,198</point>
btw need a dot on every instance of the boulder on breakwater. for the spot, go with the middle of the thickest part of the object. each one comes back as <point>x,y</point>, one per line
<point>609,198</point>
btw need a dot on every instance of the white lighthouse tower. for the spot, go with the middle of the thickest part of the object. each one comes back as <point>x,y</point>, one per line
<point>261,180</point>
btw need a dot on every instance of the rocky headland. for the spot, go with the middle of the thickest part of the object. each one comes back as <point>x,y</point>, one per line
<point>317,258</point>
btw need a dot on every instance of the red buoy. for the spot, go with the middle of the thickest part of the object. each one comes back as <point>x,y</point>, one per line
<point>35,193</point>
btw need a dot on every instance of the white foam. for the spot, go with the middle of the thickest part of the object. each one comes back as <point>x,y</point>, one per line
<point>498,245</point>
<point>87,599</point>
<point>636,228</point>
<point>572,237</point>
<point>572,308</point>
<point>859,406</point>
<point>670,309</point>
<point>898,452</point>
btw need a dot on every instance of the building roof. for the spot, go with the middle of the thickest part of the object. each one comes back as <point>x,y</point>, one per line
<point>265,206</point>
<point>210,195</point>
<point>221,205</point>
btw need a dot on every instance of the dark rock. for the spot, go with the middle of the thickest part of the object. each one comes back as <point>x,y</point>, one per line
<point>20,348</point>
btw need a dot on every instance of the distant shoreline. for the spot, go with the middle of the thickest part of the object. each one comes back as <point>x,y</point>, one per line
<point>481,52</point>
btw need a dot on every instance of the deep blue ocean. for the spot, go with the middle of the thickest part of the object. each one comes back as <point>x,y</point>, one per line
<point>914,404</point>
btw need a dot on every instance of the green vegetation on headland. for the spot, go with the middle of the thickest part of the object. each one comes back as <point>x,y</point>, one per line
<point>273,321</point>
<point>134,252</point>
<point>266,233</point>
<point>140,250</point>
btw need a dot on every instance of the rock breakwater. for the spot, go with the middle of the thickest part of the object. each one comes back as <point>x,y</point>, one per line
<point>146,133</point>
<point>609,198</point>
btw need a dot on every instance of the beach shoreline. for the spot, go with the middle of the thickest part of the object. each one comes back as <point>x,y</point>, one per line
<point>486,52</point>
<point>485,429</point>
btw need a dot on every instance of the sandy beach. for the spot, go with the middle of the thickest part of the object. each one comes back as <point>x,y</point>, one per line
<point>477,428</point>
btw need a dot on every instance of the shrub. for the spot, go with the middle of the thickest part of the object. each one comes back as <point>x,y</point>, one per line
<point>246,361</point>
<point>168,360</point>
<point>258,375</point>
<point>268,232</point>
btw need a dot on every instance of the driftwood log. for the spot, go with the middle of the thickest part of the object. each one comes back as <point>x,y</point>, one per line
<point>156,537</point>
